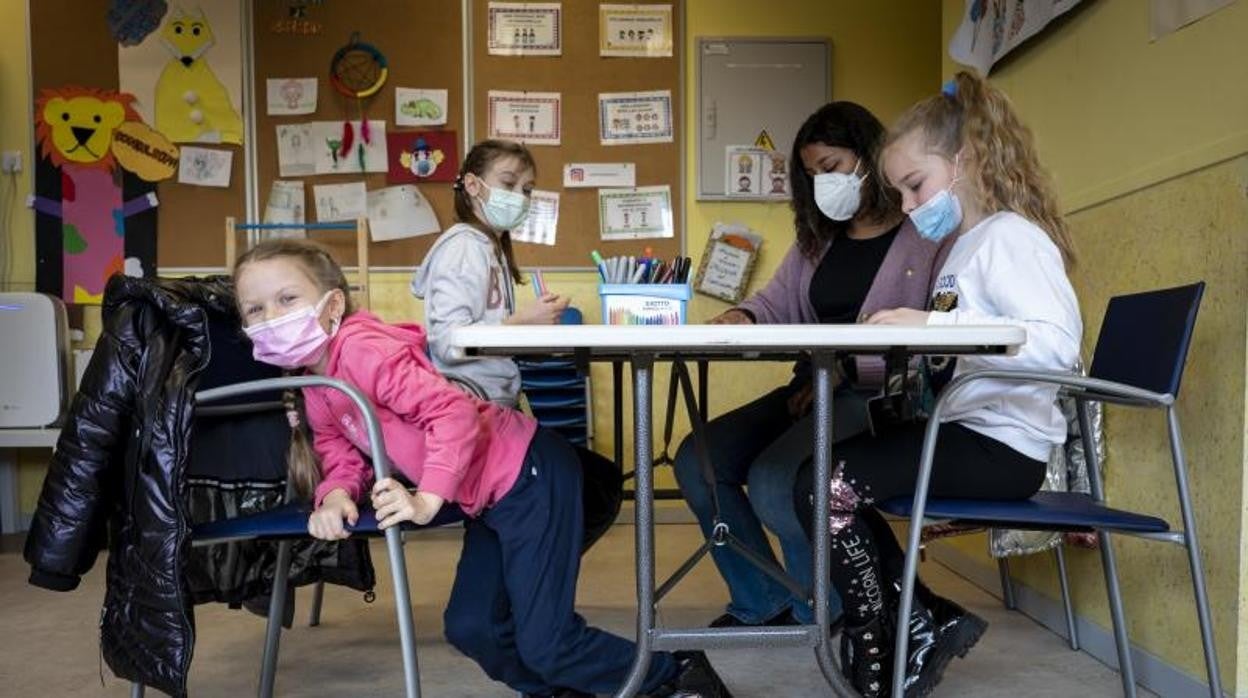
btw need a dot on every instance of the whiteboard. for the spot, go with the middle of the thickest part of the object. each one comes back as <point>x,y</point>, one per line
<point>746,85</point>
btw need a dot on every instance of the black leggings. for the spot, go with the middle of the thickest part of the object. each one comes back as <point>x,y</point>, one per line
<point>867,562</point>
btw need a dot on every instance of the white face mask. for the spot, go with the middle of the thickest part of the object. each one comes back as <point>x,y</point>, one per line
<point>504,210</point>
<point>838,194</point>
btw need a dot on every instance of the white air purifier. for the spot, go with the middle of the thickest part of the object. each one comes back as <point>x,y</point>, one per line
<point>34,360</point>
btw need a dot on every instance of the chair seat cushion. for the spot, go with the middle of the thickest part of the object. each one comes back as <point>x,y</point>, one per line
<point>1057,511</point>
<point>291,521</point>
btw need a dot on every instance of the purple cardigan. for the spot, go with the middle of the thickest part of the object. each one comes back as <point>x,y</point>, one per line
<point>903,281</point>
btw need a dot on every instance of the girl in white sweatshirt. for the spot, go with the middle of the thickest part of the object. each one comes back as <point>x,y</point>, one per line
<point>965,166</point>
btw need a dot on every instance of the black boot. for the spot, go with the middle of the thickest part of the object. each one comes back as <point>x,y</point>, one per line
<point>939,630</point>
<point>866,656</point>
<point>696,679</point>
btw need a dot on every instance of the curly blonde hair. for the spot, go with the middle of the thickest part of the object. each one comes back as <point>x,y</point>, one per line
<point>978,120</point>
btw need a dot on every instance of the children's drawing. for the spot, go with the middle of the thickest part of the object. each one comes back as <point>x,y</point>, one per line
<point>419,107</point>
<point>192,105</point>
<point>81,191</point>
<point>204,167</point>
<point>290,95</point>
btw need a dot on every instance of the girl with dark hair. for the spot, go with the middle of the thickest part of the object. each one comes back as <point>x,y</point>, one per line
<point>469,275</point>
<point>855,253</point>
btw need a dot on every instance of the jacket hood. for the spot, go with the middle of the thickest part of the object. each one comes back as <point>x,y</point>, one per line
<point>182,301</point>
<point>364,325</point>
<point>459,231</point>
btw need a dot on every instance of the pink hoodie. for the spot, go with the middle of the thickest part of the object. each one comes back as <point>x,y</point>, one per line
<point>448,443</point>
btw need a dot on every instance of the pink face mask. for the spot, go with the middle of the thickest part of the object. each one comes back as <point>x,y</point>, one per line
<point>294,340</point>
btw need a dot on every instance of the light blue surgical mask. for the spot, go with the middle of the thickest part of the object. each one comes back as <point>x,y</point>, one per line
<point>504,210</point>
<point>940,215</point>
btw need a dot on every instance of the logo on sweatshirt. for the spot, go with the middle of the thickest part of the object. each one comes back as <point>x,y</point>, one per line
<point>494,298</point>
<point>945,293</point>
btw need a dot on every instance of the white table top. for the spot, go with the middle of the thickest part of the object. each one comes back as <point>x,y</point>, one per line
<point>28,438</point>
<point>735,340</point>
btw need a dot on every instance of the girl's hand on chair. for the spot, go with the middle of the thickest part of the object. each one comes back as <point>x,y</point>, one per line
<point>898,316</point>
<point>394,504</point>
<point>326,523</point>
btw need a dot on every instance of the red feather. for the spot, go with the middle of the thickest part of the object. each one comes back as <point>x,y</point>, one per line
<point>364,133</point>
<point>348,138</point>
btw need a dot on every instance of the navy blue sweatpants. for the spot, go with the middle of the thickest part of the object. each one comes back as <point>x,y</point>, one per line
<point>512,605</point>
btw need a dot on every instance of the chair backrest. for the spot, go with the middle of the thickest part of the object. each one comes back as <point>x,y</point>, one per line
<point>1145,337</point>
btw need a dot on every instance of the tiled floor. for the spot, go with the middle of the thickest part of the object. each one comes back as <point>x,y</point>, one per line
<point>49,641</point>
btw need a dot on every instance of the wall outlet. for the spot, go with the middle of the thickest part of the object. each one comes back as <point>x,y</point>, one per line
<point>11,161</point>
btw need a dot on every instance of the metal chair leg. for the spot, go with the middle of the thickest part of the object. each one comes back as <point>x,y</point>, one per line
<point>1193,554</point>
<point>1125,666</point>
<point>136,690</point>
<point>1072,633</point>
<point>273,628</point>
<point>1007,586</point>
<point>318,595</point>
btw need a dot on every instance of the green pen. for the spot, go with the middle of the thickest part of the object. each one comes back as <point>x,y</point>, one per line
<point>602,267</point>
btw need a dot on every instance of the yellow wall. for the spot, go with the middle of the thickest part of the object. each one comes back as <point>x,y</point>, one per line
<point>17,268</point>
<point>1148,143</point>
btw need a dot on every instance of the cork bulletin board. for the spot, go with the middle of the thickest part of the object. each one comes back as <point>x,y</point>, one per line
<point>424,46</point>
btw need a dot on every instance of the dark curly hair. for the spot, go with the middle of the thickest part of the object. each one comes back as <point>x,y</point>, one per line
<point>844,125</point>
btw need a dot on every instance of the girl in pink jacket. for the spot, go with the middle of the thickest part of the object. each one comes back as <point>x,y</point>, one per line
<point>519,485</point>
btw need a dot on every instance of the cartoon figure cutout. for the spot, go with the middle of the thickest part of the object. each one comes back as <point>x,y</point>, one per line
<point>192,104</point>
<point>85,136</point>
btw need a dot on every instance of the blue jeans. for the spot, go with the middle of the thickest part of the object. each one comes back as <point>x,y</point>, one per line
<point>759,447</point>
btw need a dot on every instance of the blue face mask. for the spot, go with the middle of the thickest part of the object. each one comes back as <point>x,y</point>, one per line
<point>504,210</point>
<point>940,215</point>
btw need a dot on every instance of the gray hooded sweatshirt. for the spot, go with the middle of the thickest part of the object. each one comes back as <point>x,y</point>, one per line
<point>464,282</point>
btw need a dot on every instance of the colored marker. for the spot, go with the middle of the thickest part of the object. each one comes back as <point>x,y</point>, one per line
<point>602,270</point>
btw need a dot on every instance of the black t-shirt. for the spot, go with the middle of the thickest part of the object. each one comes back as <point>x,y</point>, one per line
<point>844,276</point>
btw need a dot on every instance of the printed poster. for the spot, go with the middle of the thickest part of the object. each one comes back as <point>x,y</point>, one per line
<point>599,174</point>
<point>542,223</point>
<point>636,31</point>
<point>290,96</point>
<point>419,107</point>
<point>755,173</point>
<point>525,28</point>
<point>625,118</point>
<point>422,156</point>
<point>187,75</point>
<point>533,118</point>
<point>633,213</point>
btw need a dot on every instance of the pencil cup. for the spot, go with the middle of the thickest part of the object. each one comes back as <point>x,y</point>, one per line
<point>644,304</point>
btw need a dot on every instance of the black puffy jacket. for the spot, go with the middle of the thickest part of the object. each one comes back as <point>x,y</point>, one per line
<point>134,468</point>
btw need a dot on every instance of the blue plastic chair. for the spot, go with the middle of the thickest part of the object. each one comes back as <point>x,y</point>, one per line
<point>1138,362</point>
<point>290,522</point>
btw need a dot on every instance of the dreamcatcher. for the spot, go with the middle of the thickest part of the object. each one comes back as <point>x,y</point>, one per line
<point>358,70</point>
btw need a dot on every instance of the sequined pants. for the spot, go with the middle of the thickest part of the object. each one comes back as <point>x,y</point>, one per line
<point>866,558</point>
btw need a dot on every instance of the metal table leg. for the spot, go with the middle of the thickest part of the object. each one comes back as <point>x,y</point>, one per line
<point>643,364</point>
<point>822,362</point>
